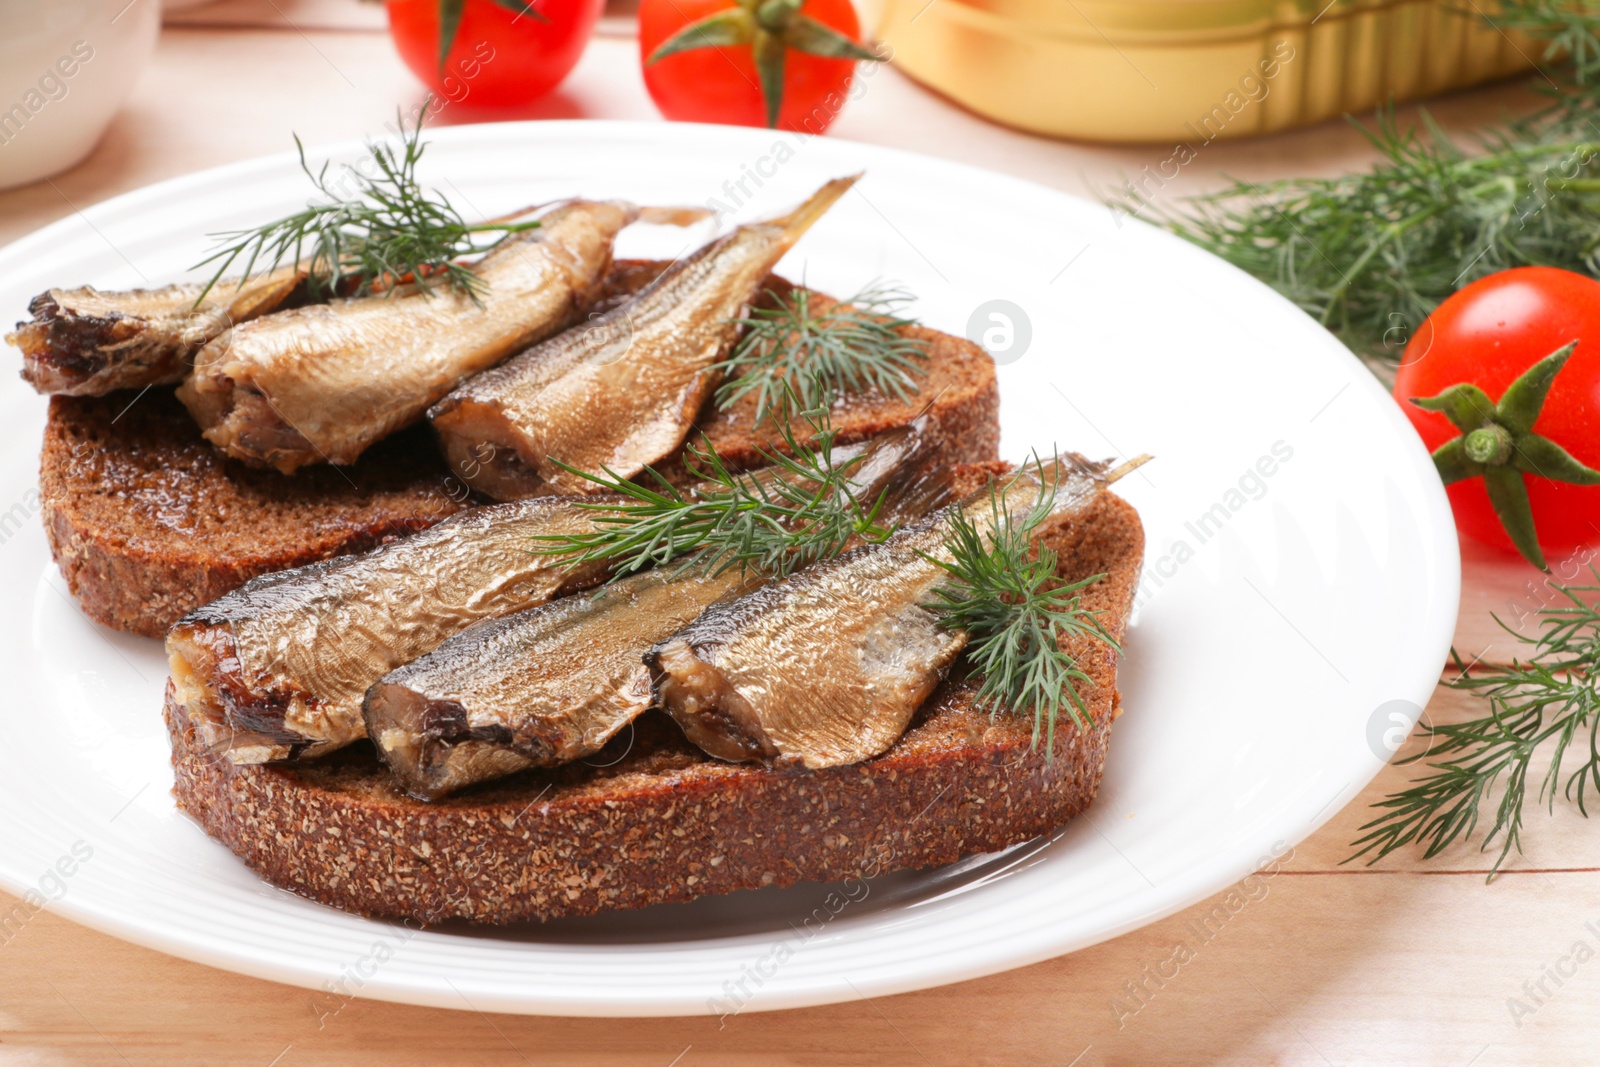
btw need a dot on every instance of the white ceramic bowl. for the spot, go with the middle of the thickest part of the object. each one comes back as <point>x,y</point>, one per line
<point>65,68</point>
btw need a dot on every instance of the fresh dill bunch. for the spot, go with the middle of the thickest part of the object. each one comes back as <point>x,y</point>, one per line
<point>1005,595</point>
<point>392,230</point>
<point>1371,255</point>
<point>852,346</point>
<point>799,509</point>
<point>1550,700</point>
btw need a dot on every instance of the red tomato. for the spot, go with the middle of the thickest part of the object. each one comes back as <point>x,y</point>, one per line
<point>1488,334</point>
<point>500,58</point>
<point>719,84</point>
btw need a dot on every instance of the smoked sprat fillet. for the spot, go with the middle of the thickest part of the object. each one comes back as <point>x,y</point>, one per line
<point>539,688</point>
<point>827,666</point>
<point>623,391</point>
<point>555,683</point>
<point>318,384</point>
<point>277,669</point>
<point>84,342</point>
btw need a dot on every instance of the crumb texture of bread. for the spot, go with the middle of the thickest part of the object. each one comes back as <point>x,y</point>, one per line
<point>147,521</point>
<point>652,820</point>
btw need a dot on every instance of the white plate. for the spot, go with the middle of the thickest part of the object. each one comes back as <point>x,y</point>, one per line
<point>1273,641</point>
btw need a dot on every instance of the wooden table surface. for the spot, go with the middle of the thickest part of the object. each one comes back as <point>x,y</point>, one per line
<point>1405,962</point>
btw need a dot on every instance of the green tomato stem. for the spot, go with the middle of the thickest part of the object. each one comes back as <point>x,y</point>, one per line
<point>1489,445</point>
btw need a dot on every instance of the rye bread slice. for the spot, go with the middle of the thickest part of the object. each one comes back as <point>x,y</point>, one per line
<point>147,521</point>
<point>652,820</point>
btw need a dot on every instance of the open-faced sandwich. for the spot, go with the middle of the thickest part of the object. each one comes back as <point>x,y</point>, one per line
<point>511,582</point>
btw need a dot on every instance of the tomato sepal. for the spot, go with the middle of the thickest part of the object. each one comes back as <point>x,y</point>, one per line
<point>1524,398</point>
<point>1497,443</point>
<point>1465,405</point>
<point>732,27</point>
<point>1542,456</point>
<point>449,25</point>
<point>806,34</point>
<point>1451,461</point>
<point>771,28</point>
<point>450,21</point>
<point>769,52</point>
<point>1508,495</point>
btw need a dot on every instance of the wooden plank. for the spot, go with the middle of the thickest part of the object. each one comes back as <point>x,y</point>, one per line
<point>1382,969</point>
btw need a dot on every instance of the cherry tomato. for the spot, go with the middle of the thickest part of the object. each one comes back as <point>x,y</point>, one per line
<point>719,83</point>
<point>1488,334</point>
<point>500,57</point>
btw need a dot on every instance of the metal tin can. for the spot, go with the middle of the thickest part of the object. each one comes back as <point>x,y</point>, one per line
<point>1159,70</point>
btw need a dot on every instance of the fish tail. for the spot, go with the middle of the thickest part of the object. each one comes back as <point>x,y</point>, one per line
<point>800,219</point>
<point>1071,464</point>
<point>1062,467</point>
<point>1122,470</point>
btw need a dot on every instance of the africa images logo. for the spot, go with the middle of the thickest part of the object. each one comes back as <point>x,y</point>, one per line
<point>50,86</point>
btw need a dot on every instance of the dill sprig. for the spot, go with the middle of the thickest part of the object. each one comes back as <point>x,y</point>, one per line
<point>1006,597</point>
<point>1549,700</point>
<point>392,231</point>
<point>850,347</point>
<point>1371,255</point>
<point>799,509</point>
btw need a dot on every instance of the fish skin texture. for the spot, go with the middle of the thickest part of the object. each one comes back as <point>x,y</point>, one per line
<point>621,392</point>
<point>289,655</point>
<point>828,666</point>
<point>538,688</point>
<point>321,383</point>
<point>555,683</point>
<point>84,342</point>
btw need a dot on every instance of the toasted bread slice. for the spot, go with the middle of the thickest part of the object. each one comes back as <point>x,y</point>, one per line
<point>147,521</point>
<point>651,819</point>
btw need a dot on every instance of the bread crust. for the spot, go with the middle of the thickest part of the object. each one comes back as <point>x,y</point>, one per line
<point>652,820</point>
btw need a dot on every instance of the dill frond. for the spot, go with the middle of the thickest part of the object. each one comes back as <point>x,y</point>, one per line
<point>800,508</point>
<point>852,346</point>
<point>1551,699</point>
<point>390,232</point>
<point>1005,595</point>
